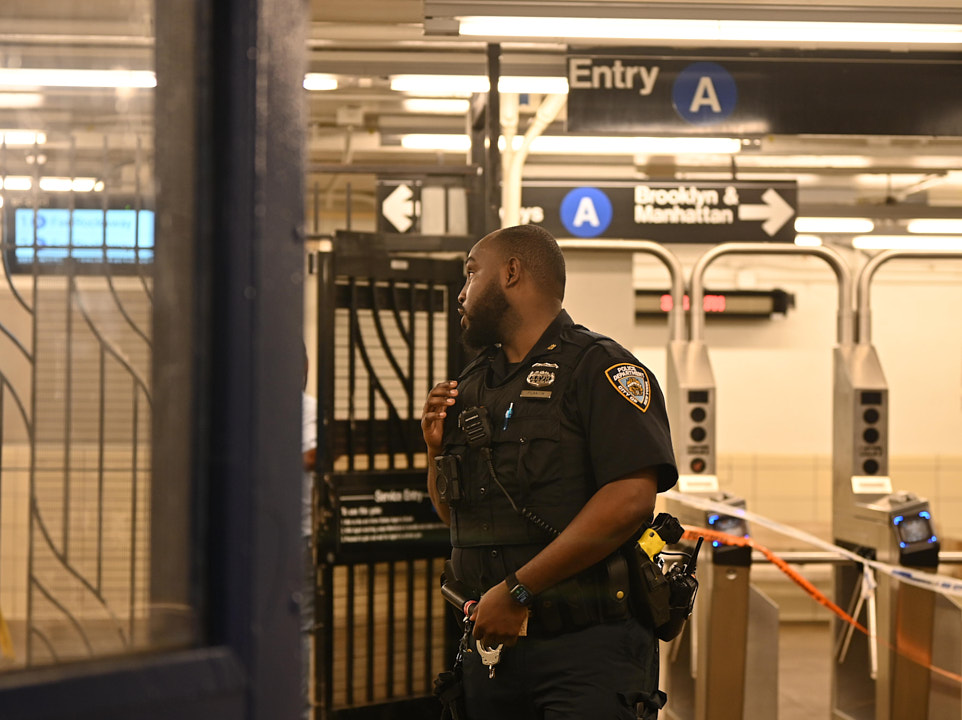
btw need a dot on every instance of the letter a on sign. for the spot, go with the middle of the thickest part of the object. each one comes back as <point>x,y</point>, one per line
<point>705,95</point>
<point>586,213</point>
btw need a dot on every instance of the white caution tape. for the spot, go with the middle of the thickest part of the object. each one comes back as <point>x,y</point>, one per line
<point>930,581</point>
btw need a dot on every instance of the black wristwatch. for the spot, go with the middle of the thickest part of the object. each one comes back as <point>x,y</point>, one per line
<point>519,592</point>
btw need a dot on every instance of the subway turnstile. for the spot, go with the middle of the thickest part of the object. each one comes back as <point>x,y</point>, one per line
<point>886,678</point>
<point>725,665</point>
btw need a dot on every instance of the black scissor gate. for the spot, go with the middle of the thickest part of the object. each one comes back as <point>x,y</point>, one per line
<point>388,331</point>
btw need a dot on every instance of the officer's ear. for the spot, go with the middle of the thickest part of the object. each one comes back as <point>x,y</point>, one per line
<point>512,272</point>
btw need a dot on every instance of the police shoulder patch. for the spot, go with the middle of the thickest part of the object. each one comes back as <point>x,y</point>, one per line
<point>631,381</point>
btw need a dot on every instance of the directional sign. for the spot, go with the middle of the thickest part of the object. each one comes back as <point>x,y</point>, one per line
<point>618,90</point>
<point>773,213</point>
<point>669,212</point>
<point>399,208</point>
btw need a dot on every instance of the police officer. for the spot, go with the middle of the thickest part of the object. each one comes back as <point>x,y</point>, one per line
<point>551,446</point>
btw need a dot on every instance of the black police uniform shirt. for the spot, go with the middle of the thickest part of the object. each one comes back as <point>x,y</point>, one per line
<point>613,423</point>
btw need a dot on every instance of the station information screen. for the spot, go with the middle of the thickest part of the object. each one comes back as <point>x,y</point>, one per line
<point>48,237</point>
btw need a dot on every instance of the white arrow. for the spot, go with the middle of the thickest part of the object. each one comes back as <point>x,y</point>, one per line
<point>775,212</point>
<point>398,207</point>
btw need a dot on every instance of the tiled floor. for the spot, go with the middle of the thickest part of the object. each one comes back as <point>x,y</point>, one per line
<point>804,667</point>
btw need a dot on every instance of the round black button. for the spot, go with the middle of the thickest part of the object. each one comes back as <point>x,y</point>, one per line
<point>870,416</point>
<point>698,434</point>
<point>698,414</point>
<point>871,435</point>
<point>697,465</point>
<point>870,467</point>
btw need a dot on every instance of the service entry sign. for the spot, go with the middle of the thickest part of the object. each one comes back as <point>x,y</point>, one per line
<point>618,91</point>
<point>386,513</point>
<point>666,212</point>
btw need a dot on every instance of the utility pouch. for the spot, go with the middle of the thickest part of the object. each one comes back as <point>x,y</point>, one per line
<point>447,481</point>
<point>650,593</point>
<point>664,601</point>
<point>617,588</point>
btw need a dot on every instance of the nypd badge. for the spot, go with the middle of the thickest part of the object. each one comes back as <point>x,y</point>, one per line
<point>631,381</point>
<point>540,376</point>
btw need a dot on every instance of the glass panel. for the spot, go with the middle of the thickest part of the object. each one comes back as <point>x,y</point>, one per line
<point>76,165</point>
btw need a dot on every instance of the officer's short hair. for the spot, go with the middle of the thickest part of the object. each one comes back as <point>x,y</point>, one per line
<point>538,251</point>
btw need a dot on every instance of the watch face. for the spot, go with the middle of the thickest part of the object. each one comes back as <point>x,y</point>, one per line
<point>520,593</point>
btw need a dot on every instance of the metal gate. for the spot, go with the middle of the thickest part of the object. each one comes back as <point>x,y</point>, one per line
<point>75,412</point>
<point>387,329</point>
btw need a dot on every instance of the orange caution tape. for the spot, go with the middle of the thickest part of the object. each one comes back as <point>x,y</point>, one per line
<point>915,655</point>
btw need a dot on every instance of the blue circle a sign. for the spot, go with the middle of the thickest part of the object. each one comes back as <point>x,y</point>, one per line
<point>586,212</point>
<point>704,93</point>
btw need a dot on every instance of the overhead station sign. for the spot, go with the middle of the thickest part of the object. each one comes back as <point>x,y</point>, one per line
<point>621,91</point>
<point>668,212</point>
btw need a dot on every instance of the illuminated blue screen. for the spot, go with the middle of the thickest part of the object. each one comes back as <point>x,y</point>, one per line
<point>89,240</point>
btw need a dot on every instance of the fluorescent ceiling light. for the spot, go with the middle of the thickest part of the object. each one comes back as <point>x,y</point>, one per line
<point>713,30</point>
<point>466,85</point>
<point>65,184</point>
<point>937,226</point>
<point>63,77</point>
<point>833,225</point>
<point>535,85</point>
<point>20,100</point>
<point>907,242</point>
<point>320,81</point>
<point>436,106</point>
<point>576,145</point>
<point>52,184</point>
<point>16,182</point>
<point>808,241</point>
<point>22,137</point>
<point>441,143</point>
<point>805,161</point>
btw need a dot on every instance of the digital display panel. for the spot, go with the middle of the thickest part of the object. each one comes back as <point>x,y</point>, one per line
<point>871,398</point>
<point>52,235</point>
<point>741,303</point>
<point>698,396</point>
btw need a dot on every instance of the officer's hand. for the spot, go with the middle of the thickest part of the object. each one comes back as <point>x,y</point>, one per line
<point>498,617</point>
<point>310,459</point>
<point>439,400</point>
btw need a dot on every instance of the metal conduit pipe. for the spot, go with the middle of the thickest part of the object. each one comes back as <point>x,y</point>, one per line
<point>863,304</point>
<point>511,192</point>
<point>846,330</point>
<point>510,104</point>
<point>676,316</point>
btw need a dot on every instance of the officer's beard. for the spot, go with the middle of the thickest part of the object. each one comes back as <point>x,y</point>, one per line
<point>486,320</point>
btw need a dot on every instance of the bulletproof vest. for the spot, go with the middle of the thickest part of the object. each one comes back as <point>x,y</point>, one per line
<point>524,414</point>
